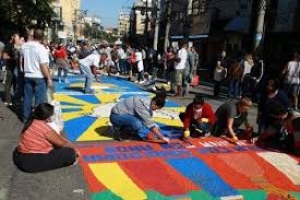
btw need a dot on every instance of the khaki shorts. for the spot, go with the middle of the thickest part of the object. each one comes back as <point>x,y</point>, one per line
<point>178,76</point>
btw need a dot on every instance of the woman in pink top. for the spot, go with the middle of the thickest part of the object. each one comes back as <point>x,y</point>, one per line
<point>40,147</point>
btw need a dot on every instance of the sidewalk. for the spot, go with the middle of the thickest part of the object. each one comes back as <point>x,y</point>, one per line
<point>62,184</point>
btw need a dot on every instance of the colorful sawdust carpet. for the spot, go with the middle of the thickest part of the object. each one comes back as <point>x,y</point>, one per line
<point>209,168</point>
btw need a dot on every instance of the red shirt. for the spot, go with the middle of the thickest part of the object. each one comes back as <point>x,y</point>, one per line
<point>34,140</point>
<point>207,112</point>
<point>60,53</point>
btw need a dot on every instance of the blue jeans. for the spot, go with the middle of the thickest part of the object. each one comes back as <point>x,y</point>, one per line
<point>205,127</point>
<point>129,122</point>
<point>88,77</point>
<point>234,89</point>
<point>37,88</point>
<point>66,71</point>
<point>19,84</point>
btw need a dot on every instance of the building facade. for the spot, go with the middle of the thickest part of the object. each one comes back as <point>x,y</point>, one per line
<point>65,22</point>
<point>123,24</point>
<point>138,32</point>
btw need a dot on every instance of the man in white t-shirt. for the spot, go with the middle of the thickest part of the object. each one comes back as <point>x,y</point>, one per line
<point>92,60</point>
<point>179,68</point>
<point>139,65</point>
<point>292,80</point>
<point>35,60</point>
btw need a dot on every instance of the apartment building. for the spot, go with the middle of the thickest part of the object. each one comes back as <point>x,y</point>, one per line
<point>123,24</point>
<point>66,11</point>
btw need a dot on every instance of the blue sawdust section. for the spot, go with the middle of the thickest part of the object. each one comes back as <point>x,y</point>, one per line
<point>78,126</point>
<point>117,85</point>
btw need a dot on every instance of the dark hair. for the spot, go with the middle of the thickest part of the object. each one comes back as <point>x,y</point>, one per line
<point>38,34</point>
<point>42,112</point>
<point>275,84</point>
<point>198,100</point>
<point>160,97</point>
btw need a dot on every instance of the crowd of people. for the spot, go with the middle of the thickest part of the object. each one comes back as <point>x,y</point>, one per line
<point>27,61</point>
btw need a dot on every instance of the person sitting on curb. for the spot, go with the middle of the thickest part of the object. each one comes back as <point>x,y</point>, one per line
<point>134,115</point>
<point>230,116</point>
<point>198,118</point>
<point>40,147</point>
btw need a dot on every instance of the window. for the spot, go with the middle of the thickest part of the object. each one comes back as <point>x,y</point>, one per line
<point>202,6</point>
<point>195,8</point>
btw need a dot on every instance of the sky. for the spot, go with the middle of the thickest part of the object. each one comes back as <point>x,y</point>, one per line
<point>107,10</point>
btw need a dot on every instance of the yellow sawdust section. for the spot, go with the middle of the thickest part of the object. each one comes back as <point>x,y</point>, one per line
<point>114,179</point>
<point>108,98</point>
<point>70,106</point>
<point>95,131</point>
<point>85,110</point>
<point>99,87</point>
<point>169,122</point>
<point>178,109</point>
<point>69,99</point>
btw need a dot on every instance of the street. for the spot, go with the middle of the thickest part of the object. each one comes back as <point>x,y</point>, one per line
<point>66,183</point>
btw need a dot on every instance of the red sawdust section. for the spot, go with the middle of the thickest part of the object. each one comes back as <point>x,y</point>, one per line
<point>154,174</point>
<point>274,176</point>
<point>93,184</point>
<point>231,176</point>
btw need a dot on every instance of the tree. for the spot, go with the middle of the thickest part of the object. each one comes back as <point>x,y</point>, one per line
<point>93,32</point>
<point>22,14</point>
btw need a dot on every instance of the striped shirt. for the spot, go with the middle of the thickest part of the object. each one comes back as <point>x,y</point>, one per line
<point>34,140</point>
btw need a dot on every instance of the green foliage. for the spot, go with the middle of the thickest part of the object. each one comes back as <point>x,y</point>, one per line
<point>17,15</point>
<point>96,34</point>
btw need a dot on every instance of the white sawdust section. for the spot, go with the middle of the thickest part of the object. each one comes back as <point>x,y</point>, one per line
<point>103,111</point>
<point>284,163</point>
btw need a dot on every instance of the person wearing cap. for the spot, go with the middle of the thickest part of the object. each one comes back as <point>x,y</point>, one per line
<point>198,118</point>
<point>230,116</point>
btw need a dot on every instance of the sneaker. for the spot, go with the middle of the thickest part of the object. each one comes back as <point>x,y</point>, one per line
<point>8,103</point>
<point>207,134</point>
<point>136,81</point>
<point>122,136</point>
<point>89,92</point>
<point>117,134</point>
<point>169,83</point>
<point>118,74</point>
<point>153,88</point>
<point>141,82</point>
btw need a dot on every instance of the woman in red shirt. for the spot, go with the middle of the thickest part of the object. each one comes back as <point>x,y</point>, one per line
<point>40,147</point>
<point>198,118</point>
<point>62,62</point>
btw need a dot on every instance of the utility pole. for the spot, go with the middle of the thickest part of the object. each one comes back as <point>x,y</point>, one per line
<point>188,19</point>
<point>157,12</point>
<point>146,24</point>
<point>258,22</point>
<point>168,26</point>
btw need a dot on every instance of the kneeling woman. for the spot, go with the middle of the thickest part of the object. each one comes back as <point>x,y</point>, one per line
<point>40,147</point>
<point>198,118</point>
<point>135,113</point>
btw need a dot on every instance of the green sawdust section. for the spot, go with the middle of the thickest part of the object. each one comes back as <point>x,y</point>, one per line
<point>193,195</point>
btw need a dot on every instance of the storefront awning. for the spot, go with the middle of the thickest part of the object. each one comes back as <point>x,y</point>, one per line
<point>178,37</point>
<point>238,24</point>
